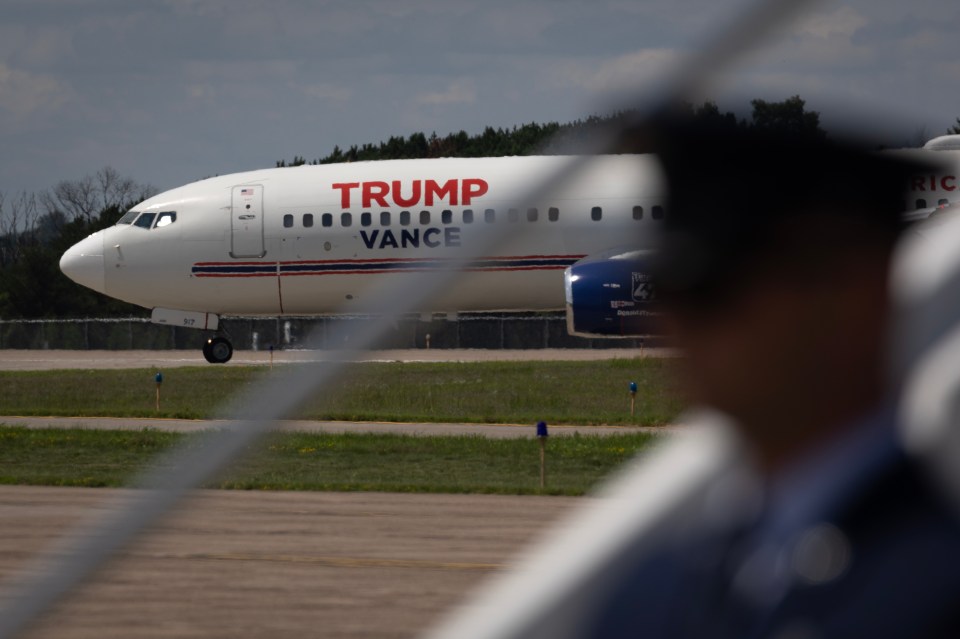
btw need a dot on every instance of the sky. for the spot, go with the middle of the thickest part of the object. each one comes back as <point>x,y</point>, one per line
<point>171,91</point>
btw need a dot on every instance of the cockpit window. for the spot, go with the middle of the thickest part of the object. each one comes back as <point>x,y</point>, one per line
<point>166,218</point>
<point>145,221</point>
<point>128,217</point>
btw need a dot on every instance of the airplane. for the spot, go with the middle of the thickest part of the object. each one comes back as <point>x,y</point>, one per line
<point>311,240</point>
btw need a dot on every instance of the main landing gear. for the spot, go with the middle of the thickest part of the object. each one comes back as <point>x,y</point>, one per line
<point>218,350</point>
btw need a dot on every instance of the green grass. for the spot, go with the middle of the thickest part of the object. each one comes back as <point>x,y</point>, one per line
<point>491,392</point>
<point>304,461</point>
<point>74,457</point>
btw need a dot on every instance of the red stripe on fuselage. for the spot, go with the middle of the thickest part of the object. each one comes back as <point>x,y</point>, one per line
<point>398,259</point>
<point>469,269</point>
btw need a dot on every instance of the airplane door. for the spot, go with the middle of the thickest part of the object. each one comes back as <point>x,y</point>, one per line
<point>246,220</point>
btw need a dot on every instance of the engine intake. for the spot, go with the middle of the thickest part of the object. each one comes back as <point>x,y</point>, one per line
<point>611,295</point>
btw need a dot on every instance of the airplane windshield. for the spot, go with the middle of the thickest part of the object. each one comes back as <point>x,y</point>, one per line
<point>145,221</point>
<point>149,220</point>
<point>165,218</point>
<point>128,217</point>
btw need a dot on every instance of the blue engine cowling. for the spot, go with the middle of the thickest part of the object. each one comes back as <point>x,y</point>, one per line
<point>611,295</point>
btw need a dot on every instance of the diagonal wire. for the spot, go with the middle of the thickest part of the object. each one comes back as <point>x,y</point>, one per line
<point>77,556</point>
<point>253,414</point>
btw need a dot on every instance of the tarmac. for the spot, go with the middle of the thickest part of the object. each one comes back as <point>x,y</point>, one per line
<point>276,564</point>
<point>12,360</point>
<point>279,564</point>
<point>495,431</point>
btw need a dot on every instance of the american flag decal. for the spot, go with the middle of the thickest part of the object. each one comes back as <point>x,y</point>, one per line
<point>246,191</point>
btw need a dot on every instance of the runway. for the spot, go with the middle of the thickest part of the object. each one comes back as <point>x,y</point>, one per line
<point>12,360</point>
<point>495,431</point>
<point>270,564</point>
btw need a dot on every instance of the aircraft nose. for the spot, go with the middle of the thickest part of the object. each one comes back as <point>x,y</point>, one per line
<point>83,263</point>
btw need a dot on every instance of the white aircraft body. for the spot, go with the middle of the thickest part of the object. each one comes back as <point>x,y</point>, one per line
<point>311,240</point>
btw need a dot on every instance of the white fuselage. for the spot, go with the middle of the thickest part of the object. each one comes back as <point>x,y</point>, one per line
<point>313,239</point>
<point>276,241</point>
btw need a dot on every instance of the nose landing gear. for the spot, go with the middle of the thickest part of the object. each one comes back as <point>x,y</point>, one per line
<point>218,350</point>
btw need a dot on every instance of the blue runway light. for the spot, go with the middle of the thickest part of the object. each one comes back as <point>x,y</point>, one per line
<point>158,377</point>
<point>542,429</point>
<point>633,388</point>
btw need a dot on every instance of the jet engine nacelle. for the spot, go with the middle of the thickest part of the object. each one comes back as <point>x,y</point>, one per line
<point>611,295</point>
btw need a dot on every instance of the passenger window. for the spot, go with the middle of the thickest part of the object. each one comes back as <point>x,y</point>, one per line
<point>346,219</point>
<point>366,219</point>
<point>446,216</point>
<point>404,218</point>
<point>513,215</point>
<point>128,217</point>
<point>326,219</point>
<point>166,218</point>
<point>385,218</point>
<point>553,214</point>
<point>532,215</point>
<point>307,220</point>
<point>658,213</point>
<point>287,221</point>
<point>468,216</point>
<point>596,213</point>
<point>942,202</point>
<point>489,216</point>
<point>425,217</point>
<point>145,221</point>
<point>638,212</point>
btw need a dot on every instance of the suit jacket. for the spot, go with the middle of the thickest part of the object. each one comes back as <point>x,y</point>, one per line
<point>856,544</point>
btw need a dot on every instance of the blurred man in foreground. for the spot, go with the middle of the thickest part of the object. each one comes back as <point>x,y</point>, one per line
<point>774,277</point>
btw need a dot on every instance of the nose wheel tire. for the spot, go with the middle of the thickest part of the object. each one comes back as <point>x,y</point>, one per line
<point>218,350</point>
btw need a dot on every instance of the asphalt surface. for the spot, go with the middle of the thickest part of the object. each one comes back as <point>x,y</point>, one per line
<point>495,431</point>
<point>276,564</point>
<point>51,360</point>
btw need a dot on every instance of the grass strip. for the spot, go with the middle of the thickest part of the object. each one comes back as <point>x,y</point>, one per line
<point>321,462</point>
<point>479,392</point>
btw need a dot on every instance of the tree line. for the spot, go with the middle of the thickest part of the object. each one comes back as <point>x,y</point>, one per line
<point>36,228</point>
<point>555,138</point>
